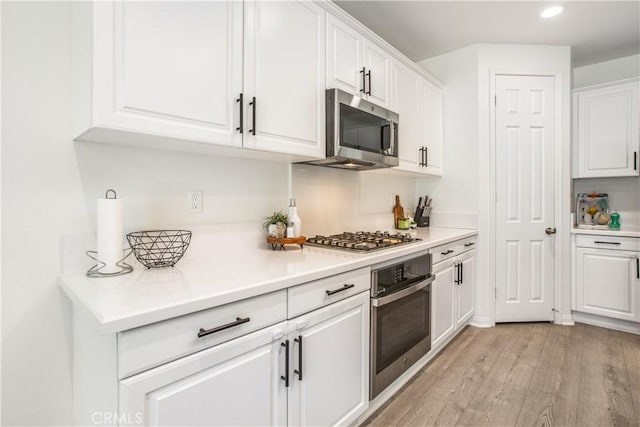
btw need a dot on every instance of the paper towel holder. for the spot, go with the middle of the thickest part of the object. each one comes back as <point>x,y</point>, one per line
<point>95,270</point>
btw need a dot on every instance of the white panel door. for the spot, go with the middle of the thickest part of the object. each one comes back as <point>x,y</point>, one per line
<point>524,198</point>
<point>334,388</point>
<point>233,384</point>
<point>284,72</point>
<point>407,84</point>
<point>465,288</point>
<point>442,303</point>
<point>169,68</point>
<point>607,283</point>
<point>607,131</point>
<point>344,57</point>
<point>378,78</point>
<point>432,127</point>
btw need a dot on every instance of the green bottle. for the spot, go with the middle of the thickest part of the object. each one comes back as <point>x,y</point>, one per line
<point>615,221</point>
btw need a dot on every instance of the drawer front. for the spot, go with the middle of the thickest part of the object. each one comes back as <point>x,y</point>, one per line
<point>152,345</point>
<point>449,250</point>
<point>608,242</point>
<point>308,297</point>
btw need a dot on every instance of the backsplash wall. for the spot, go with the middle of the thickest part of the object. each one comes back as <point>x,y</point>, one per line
<point>624,196</point>
<point>333,200</point>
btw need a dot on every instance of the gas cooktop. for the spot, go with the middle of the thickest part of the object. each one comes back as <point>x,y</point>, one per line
<point>362,241</point>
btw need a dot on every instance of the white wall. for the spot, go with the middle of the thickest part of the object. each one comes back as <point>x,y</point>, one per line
<point>608,71</point>
<point>456,194</point>
<point>50,185</point>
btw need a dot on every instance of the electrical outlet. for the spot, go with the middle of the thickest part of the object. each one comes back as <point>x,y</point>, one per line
<point>194,201</point>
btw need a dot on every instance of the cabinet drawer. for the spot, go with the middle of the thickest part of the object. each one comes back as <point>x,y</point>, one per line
<point>310,296</point>
<point>449,250</point>
<point>608,242</point>
<point>152,345</point>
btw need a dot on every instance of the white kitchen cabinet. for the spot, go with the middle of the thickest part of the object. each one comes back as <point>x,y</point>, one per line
<point>606,128</point>
<point>171,74</point>
<point>607,283</point>
<point>357,65</point>
<point>284,77</point>
<point>330,373</point>
<point>419,103</point>
<point>465,287</point>
<point>452,290</point>
<point>236,383</point>
<point>443,303</point>
<point>432,127</point>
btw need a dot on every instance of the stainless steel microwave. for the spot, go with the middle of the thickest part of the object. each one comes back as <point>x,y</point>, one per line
<point>359,135</point>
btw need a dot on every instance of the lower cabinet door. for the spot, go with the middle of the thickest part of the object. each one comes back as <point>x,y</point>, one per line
<point>233,384</point>
<point>464,308</point>
<point>331,386</point>
<point>442,303</point>
<point>607,283</point>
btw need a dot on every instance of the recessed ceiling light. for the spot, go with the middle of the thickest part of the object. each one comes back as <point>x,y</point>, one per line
<point>551,11</point>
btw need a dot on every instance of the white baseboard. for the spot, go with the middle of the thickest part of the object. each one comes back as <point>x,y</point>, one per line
<point>481,322</point>
<point>565,320</point>
<point>607,322</point>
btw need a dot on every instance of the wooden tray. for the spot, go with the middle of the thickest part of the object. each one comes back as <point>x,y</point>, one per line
<point>277,243</point>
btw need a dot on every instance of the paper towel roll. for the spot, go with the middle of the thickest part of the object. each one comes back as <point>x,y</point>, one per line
<point>110,232</point>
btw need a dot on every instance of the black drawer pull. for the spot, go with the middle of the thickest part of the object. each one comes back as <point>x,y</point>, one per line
<point>466,245</point>
<point>285,377</point>
<point>239,321</point>
<point>299,370</point>
<point>362,89</point>
<point>607,243</point>
<point>450,251</point>
<point>638,268</point>
<point>253,110</point>
<point>342,289</point>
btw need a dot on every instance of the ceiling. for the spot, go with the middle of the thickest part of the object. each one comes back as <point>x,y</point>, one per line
<point>596,30</point>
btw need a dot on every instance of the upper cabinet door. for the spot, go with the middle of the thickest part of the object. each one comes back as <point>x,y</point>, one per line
<point>377,63</point>
<point>344,57</point>
<point>606,130</point>
<point>406,87</point>
<point>167,68</point>
<point>432,126</point>
<point>284,72</point>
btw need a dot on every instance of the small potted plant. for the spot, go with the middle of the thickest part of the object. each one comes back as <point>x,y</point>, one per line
<point>276,224</point>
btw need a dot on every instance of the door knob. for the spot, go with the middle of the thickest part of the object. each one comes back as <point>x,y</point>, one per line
<point>550,230</point>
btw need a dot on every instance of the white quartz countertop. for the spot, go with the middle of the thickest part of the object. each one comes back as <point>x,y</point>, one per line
<point>623,232</point>
<point>219,270</point>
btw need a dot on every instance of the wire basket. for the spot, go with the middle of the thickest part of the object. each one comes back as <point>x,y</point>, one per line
<point>159,248</point>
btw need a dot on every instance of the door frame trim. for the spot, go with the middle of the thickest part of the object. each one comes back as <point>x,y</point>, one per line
<point>560,170</point>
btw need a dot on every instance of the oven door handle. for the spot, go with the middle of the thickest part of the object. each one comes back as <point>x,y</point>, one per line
<point>379,302</point>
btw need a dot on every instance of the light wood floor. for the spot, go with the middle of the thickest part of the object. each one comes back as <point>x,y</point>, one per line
<point>534,374</point>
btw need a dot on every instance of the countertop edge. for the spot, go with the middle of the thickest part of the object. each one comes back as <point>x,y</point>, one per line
<point>609,232</point>
<point>109,325</point>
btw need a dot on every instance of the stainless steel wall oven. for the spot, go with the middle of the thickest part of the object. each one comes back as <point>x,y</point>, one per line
<point>400,317</point>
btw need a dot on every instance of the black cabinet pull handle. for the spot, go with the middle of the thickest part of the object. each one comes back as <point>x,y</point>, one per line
<point>369,75</point>
<point>285,377</point>
<point>466,245</point>
<point>606,243</point>
<point>426,156</point>
<point>299,370</point>
<point>239,321</point>
<point>362,89</point>
<point>342,289</point>
<point>455,280</point>
<point>241,101</point>
<point>450,251</point>
<point>635,160</point>
<point>421,150</point>
<point>253,109</point>
<point>638,268</point>
<point>461,273</point>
